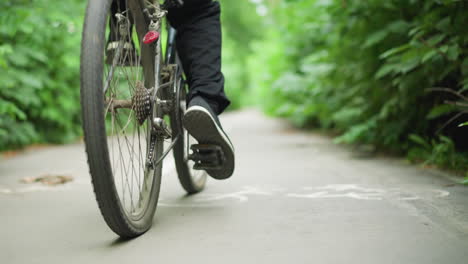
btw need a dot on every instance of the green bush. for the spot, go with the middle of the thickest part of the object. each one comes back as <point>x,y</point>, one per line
<point>376,71</point>
<point>39,71</point>
<point>240,25</point>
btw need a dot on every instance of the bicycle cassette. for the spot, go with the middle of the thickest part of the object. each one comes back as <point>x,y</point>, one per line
<point>141,103</point>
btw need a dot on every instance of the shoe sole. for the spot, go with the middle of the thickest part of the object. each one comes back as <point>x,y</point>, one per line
<point>201,125</point>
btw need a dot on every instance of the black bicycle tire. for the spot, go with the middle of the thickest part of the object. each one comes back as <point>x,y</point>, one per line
<point>184,173</point>
<point>92,105</point>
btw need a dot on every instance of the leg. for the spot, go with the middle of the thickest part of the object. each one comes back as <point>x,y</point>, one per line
<point>199,46</point>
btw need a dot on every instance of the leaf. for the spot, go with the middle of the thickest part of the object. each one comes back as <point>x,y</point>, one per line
<point>399,26</point>
<point>429,55</point>
<point>414,31</point>
<point>5,49</point>
<point>375,38</point>
<point>434,40</point>
<point>441,110</point>
<point>444,48</point>
<point>464,84</point>
<point>31,81</point>
<point>385,70</point>
<point>453,52</point>
<point>408,65</point>
<point>444,24</point>
<point>394,51</point>
<point>19,59</point>
<point>419,140</point>
<point>463,124</point>
<point>10,109</point>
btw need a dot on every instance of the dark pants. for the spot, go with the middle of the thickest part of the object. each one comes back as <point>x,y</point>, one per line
<point>199,46</point>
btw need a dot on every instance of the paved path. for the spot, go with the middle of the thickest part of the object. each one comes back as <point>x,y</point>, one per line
<point>295,198</point>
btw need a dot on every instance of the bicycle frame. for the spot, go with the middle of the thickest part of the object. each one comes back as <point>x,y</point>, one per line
<point>170,46</point>
<point>170,62</point>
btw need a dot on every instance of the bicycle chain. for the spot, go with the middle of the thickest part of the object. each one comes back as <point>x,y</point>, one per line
<point>149,160</point>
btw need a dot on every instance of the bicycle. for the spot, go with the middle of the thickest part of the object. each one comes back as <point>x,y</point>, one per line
<point>132,98</point>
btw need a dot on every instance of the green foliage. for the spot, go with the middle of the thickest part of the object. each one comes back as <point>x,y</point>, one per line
<point>376,71</point>
<point>239,22</point>
<point>438,151</point>
<point>39,61</point>
<point>465,181</point>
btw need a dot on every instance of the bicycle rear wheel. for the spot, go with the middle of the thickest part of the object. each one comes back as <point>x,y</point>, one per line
<point>193,181</point>
<point>118,141</point>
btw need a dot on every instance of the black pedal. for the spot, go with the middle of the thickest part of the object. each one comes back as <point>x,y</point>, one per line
<point>207,157</point>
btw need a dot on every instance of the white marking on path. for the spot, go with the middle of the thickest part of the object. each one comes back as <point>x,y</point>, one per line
<point>411,198</point>
<point>441,193</point>
<point>353,195</point>
<point>346,187</point>
<point>241,196</point>
<point>332,191</point>
<point>355,191</point>
<point>352,191</point>
<point>5,190</point>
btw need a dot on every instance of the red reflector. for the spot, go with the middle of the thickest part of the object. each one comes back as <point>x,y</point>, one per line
<point>151,37</point>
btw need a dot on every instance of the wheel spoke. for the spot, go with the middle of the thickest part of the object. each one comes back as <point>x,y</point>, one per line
<point>128,158</point>
<point>114,62</point>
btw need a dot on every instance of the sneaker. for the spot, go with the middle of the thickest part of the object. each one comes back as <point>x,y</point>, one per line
<point>203,124</point>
